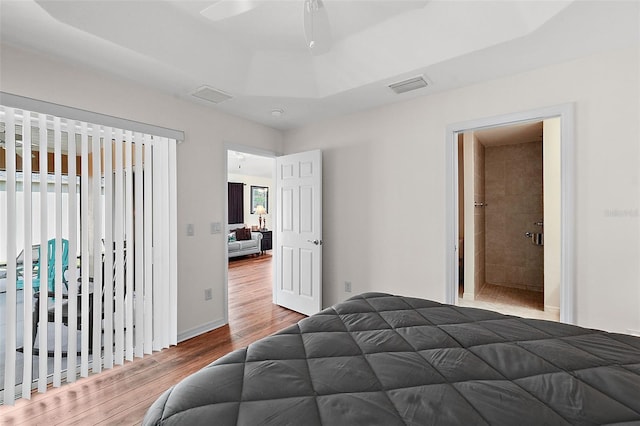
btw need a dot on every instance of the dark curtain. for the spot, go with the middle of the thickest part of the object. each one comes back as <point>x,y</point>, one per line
<point>236,202</point>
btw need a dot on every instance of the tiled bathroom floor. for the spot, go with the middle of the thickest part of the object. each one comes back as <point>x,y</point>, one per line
<point>511,296</point>
<point>511,301</point>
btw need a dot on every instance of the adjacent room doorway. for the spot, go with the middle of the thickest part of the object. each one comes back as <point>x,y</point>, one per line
<point>295,212</point>
<point>250,173</point>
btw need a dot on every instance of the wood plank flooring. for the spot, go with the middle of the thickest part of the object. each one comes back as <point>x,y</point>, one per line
<point>123,394</point>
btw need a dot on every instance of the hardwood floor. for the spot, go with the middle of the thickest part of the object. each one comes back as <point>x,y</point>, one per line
<point>123,395</point>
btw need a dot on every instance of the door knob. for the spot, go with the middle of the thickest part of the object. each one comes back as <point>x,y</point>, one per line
<point>316,242</point>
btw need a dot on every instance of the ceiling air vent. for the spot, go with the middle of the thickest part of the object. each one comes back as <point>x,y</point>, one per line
<point>408,85</point>
<point>212,95</point>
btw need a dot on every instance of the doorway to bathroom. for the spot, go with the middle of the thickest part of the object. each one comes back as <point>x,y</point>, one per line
<point>503,189</point>
<point>558,230</point>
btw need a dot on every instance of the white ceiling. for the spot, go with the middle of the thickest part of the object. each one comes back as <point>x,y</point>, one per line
<point>242,163</point>
<point>261,57</point>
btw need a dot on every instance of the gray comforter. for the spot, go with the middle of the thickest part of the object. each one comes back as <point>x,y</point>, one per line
<point>378,359</point>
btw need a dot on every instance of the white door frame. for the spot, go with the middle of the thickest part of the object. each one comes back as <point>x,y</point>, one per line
<point>272,202</point>
<point>567,195</point>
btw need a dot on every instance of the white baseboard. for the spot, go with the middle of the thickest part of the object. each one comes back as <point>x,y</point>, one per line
<point>196,331</point>
<point>552,309</point>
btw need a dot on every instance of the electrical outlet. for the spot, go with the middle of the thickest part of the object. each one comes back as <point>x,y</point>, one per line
<point>190,231</point>
<point>208,294</point>
<point>347,286</point>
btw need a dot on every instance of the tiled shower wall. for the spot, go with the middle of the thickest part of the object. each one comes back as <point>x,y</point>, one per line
<point>513,186</point>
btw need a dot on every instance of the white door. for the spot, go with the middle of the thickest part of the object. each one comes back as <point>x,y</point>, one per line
<point>299,232</point>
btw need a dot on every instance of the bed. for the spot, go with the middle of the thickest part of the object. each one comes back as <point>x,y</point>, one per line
<point>379,359</point>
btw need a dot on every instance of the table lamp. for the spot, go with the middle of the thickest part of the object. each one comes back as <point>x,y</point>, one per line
<point>260,210</point>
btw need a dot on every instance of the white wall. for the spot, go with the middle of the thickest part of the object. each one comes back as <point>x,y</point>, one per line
<point>201,161</point>
<point>384,178</point>
<point>552,213</point>
<point>384,184</point>
<point>252,219</point>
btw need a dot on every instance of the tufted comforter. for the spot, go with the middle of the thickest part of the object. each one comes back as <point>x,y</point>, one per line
<point>378,359</point>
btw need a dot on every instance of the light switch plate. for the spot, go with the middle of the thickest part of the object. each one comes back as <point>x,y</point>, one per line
<point>216,227</point>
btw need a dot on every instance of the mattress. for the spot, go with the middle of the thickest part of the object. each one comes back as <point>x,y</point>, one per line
<point>379,359</point>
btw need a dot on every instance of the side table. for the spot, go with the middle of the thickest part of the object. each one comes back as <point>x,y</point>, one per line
<point>267,241</point>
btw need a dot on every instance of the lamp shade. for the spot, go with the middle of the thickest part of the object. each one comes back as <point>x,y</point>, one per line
<point>260,210</point>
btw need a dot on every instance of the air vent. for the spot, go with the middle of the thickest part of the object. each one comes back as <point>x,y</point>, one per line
<point>408,85</point>
<point>212,95</point>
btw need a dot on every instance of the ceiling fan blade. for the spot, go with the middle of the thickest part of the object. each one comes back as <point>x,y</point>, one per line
<point>224,9</point>
<point>317,30</point>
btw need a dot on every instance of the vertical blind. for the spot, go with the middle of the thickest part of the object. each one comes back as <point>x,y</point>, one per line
<point>89,237</point>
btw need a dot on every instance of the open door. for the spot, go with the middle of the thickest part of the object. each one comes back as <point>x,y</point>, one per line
<point>299,232</point>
